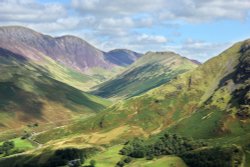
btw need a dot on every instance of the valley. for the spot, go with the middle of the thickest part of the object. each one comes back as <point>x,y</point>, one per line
<point>64,102</point>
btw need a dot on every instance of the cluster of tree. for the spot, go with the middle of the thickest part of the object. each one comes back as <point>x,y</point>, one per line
<point>6,147</point>
<point>123,161</point>
<point>173,145</point>
<point>70,157</point>
<point>214,157</point>
<point>195,153</point>
<point>137,148</point>
<point>92,163</point>
<point>166,144</point>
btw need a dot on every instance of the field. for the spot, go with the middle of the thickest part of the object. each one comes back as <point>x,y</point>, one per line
<point>111,156</point>
<point>22,144</point>
<point>166,161</point>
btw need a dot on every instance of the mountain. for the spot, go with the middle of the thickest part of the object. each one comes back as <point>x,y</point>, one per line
<point>215,95</point>
<point>28,94</point>
<point>69,51</point>
<point>122,57</point>
<point>149,71</point>
<point>210,104</point>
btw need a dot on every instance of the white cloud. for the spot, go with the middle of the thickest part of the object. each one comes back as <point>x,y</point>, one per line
<point>199,50</point>
<point>132,24</point>
<point>188,10</point>
<point>107,7</point>
<point>151,39</point>
<point>30,11</point>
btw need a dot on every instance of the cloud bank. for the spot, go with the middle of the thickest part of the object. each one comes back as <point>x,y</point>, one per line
<point>139,25</point>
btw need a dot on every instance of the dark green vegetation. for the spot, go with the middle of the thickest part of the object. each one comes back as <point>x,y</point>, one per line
<point>166,144</point>
<point>214,157</point>
<point>149,71</point>
<point>14,146</point>
<point>6,147</point>
<point>194,153</point>
<point>61,157</point>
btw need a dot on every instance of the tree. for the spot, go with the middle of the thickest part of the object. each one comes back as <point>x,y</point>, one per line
<point>92,163</point>
<point>7,146</point>
<point>120,164</point>
<point>127,159</point>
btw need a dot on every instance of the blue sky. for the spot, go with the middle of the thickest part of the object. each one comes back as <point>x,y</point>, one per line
<point>198,29</point>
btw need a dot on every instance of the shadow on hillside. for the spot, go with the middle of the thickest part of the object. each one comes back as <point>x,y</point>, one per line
<point>13,99</point>
<point>10,55</point>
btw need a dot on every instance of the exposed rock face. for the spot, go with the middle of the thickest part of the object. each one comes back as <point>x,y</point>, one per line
<point>70,51</point>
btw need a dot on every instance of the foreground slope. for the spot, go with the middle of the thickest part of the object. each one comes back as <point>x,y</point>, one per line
<point>29,94</point>
<point>149,71</point>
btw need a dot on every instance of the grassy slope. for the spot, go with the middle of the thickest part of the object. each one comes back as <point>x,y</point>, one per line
<point>108,157</point>
<point>29,93</point>
<point>21,144</point>
<point>149,71</point>
<point>111,156</point>
<point>166,161</point>
<point>189,100</point>
<point>66,75</point>
<point>82,81</point>
<point>209,89</point>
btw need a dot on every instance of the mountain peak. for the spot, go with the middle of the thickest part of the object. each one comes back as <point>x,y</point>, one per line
<point>16,28</point>
<point>18,31</point>
<point>71,37</point>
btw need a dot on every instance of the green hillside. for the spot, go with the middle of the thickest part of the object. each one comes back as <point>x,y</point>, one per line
<point>217,91</point>
<point>79,80</point>
<point>214,96</point>
<point>208,104</point>
<point>149,71</point>
<point>30,93</point>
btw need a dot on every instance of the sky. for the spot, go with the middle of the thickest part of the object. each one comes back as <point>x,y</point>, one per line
<point>197,29</point>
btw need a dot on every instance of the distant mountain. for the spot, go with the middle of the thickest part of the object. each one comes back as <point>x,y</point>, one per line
<point>29,94</point>
<point>149,71</point>
<point>196,61</point>
<point>122,57</point>
<point>70,51</point>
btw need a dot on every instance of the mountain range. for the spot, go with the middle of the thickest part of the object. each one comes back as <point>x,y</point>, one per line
<point>66,101</point>
<point>70,51</point>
